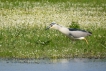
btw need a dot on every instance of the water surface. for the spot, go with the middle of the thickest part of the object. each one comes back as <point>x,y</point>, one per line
<point>75,64</point>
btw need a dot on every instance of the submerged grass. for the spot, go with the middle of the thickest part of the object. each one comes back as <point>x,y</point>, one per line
<point>23,34</point>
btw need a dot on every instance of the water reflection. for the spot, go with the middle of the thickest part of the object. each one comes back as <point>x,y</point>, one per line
<point>75,64</point>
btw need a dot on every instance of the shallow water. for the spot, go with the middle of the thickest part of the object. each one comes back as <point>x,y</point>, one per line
<point>53,65</point>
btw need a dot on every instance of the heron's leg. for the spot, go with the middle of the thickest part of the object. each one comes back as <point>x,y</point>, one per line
<point>86,40</point>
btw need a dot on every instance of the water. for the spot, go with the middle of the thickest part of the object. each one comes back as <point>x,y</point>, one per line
<point>53,65</point>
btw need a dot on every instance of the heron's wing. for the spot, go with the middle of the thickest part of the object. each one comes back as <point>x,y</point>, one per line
<point>73,29</point>
<point>76,33</point>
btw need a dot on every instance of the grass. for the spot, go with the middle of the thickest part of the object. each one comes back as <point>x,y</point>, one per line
<point>23,34</point>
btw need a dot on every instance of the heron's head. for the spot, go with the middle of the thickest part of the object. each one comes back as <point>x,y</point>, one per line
<point>52,25</point>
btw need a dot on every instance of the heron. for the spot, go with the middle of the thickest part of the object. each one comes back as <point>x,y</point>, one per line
<point>71,32</point>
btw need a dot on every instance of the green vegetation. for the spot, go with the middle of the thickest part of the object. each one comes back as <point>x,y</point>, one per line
<point>23,23</point>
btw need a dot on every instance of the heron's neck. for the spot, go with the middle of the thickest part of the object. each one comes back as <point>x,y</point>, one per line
<point>62,29</point>
<point>58,27</point>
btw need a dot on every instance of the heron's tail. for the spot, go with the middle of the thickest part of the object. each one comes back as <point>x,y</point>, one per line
<point>90,33</point>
